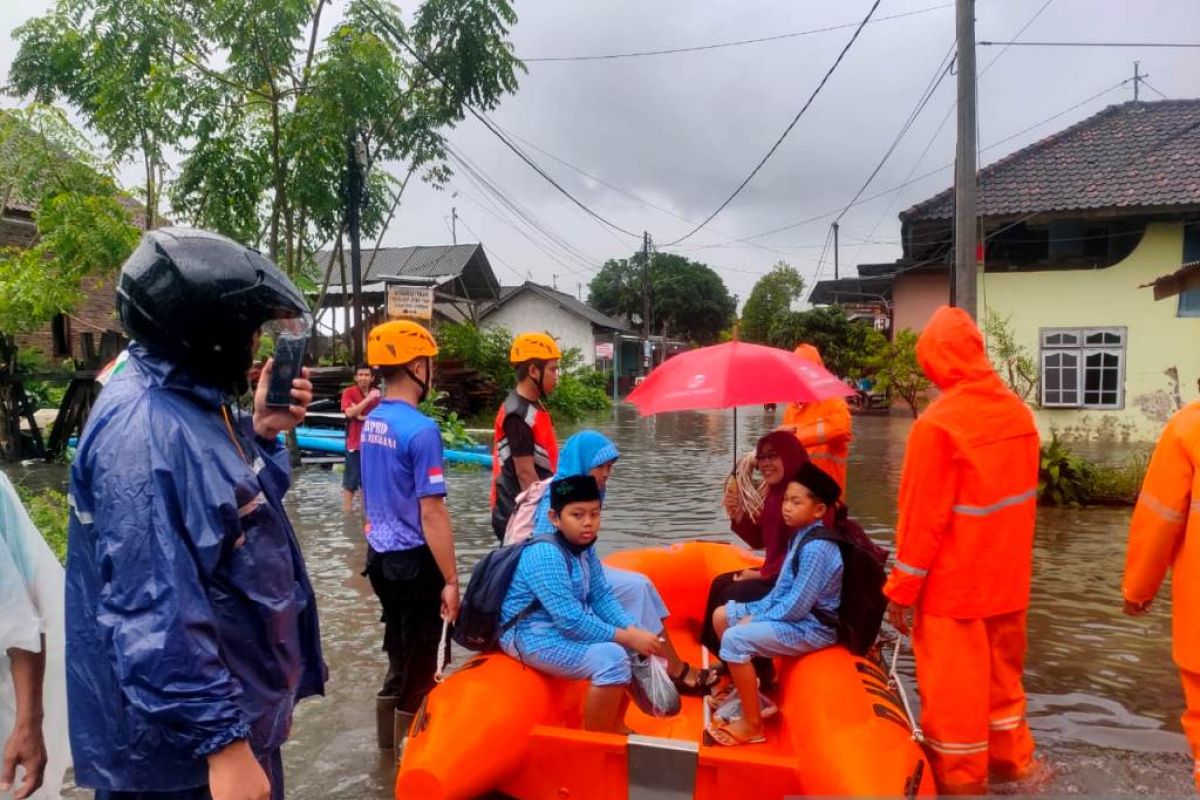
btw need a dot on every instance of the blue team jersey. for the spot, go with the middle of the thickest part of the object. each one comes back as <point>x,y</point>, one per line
<point>401,463</point>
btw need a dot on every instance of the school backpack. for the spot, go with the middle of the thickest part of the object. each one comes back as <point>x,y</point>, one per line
<point>478,626</point>
<point>521,521</point>
<point>863,603</point>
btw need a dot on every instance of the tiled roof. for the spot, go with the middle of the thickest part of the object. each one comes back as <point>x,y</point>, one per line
<point>563,299</point>
<point>1132,155</point>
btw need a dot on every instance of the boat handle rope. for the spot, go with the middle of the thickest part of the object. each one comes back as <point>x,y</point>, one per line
<point>897,685</point>
<point>444,646</point>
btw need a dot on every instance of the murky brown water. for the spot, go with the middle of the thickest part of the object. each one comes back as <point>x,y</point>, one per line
<point>1104,696</point>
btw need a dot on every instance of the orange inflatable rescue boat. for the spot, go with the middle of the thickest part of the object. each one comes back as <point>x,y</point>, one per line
<point>496,726</point>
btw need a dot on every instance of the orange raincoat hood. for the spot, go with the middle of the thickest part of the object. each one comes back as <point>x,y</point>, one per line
<point>809,353</point>
<point>951,349</point>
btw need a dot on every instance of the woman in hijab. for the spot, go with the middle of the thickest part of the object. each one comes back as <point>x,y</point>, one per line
<point>779,455</point>
<point>592,453</point>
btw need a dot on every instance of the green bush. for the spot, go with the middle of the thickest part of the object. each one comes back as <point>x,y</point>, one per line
<point>453,429</point>
<point>48,510</point>
<point>483,350</point>
<point>1066,479</point>
<point>581,390</point>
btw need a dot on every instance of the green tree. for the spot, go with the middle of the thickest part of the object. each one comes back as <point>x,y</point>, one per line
<point>1012,361</point>
<point>82,227</point>
<point>264,111</point>
<point>897,371</point>
<point>770,300</point>
<point>687,298</point>
<point>846,346</point>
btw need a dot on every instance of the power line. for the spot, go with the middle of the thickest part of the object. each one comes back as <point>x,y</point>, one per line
<point>489,187</point>
<point>494,254</point>
<point>518,212</point>
<point>943,69</point>
<point>787,130</point>
<point>403,42</point>
<point>636,197</point>
<point>1092,44</point>
<point>1151,88</point>
<point>720,45</point>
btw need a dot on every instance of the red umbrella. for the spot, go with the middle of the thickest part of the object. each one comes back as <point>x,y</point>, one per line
<point>734,374</point>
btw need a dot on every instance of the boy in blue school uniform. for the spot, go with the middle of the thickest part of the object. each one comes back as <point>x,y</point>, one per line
<point>792,620</point>
<point>561,615</point>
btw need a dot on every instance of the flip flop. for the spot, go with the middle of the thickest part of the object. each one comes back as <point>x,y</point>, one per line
<point>715,701</point>
<point>721,735</point>
<point>706,679</point>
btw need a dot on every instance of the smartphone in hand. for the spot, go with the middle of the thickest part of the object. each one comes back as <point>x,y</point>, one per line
<point>290,350</point>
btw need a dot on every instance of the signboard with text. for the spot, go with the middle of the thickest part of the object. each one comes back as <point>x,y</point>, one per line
<point>604,350</point>
<point>410,302</point>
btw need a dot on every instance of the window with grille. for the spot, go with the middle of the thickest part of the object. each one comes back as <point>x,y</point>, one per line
<point>1083,367</point>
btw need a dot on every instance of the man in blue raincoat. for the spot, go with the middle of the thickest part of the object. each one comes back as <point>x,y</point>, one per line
<point>192,625</point>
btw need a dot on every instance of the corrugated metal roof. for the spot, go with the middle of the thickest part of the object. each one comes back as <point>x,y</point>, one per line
<point>466,261</point>
<point>563,299</point>
<point>1133,155</point>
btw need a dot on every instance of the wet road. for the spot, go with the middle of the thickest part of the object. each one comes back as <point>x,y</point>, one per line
<point>1104,697</point>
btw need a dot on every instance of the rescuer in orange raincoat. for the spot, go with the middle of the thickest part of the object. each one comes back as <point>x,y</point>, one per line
<point>968,496</point>
<point>1165,533</point>
<point>823,427</point>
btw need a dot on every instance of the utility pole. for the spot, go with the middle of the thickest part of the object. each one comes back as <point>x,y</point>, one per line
<point>355,166</point>
<point>453,225</point>
<point>646,347</point>
<point>554,281</point>
<point>835,251</point>
<point>579,290</point>
<point>965,222</point>
<point>1137,80</point>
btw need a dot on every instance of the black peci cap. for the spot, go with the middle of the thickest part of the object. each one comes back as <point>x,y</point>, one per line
<point>817,481</point>
<point>577,489</point>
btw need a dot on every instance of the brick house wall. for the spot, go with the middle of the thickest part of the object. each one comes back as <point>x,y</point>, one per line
<point>61,339</point>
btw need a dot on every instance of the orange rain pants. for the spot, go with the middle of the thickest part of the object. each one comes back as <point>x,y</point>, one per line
<point>964,552</point>
<point>823,427</point>
<point>972,700</point>
<point>1165,534</point>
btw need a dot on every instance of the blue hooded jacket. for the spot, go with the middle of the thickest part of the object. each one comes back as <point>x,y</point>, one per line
<point>580,454</point>
<point>191,622</point>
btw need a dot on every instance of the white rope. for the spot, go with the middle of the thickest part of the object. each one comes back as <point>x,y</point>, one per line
<point>704,700</point>
<point>897,686</point>
<point>443,642</point>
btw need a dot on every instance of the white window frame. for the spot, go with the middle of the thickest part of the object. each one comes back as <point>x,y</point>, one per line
<point>1081,350</point>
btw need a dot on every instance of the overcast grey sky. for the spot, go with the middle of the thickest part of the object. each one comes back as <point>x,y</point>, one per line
<point>681,131</point>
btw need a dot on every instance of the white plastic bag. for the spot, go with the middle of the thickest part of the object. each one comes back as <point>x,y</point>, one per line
<point>652,688</point>
<point>31,606</point>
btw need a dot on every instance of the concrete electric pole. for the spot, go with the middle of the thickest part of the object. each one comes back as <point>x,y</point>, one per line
<point>965,217</point>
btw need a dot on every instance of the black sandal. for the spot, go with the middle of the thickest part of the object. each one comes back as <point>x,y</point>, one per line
<point>705,680</point>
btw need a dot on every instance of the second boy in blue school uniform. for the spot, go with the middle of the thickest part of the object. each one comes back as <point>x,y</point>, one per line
<point>793,619</point>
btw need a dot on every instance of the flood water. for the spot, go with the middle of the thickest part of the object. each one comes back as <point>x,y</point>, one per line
<point>1104,696</point>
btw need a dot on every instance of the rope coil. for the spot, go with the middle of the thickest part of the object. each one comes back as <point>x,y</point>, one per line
<point>750,489</point>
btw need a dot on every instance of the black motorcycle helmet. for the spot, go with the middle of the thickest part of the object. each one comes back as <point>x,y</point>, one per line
<point>197,299</point>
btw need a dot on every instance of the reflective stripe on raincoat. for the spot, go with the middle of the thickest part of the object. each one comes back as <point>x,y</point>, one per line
<point>1165,532</point>
<point>191,621</point>
<point>968,492</point>
<point>823,427</point>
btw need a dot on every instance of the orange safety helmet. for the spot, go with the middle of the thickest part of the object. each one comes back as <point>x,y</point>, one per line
<point>399,342</point>
<point>531,346</point>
